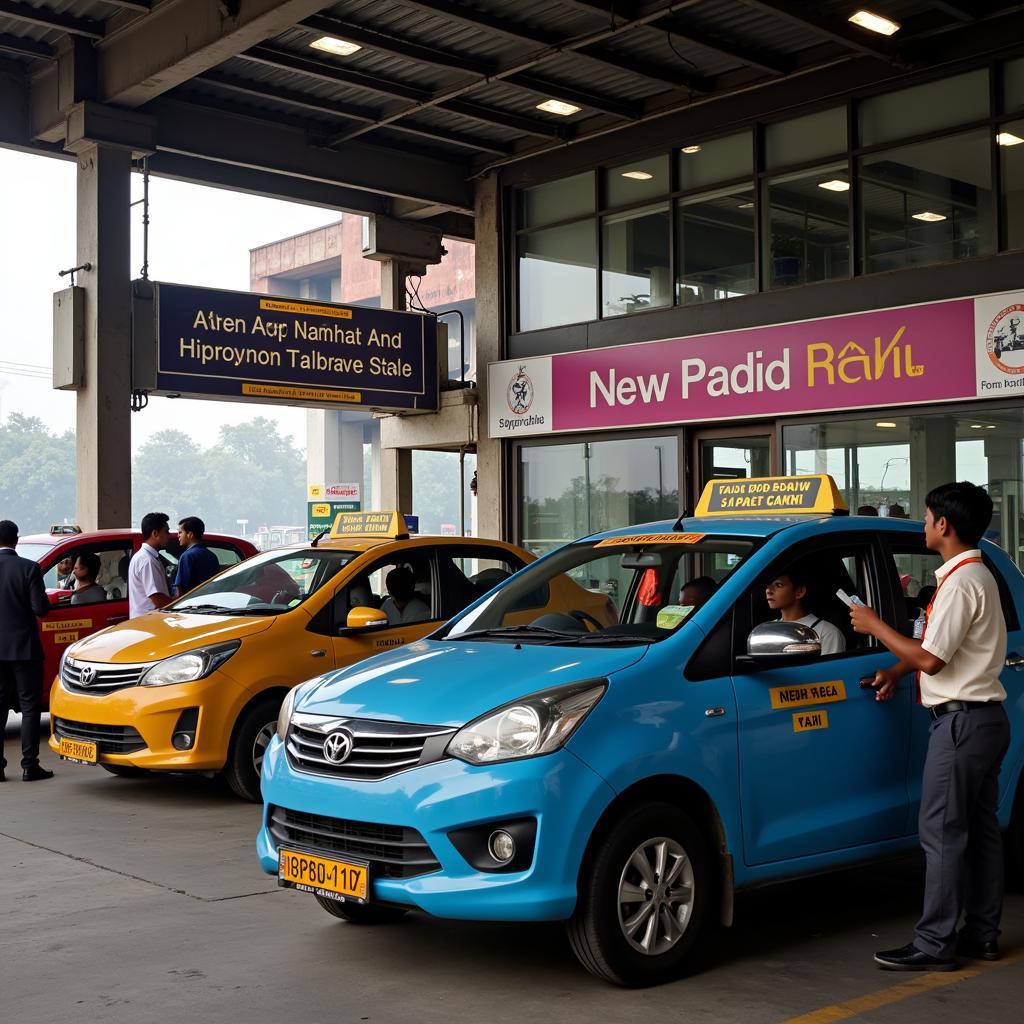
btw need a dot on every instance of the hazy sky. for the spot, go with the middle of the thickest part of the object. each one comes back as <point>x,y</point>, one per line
<point>197,235</point>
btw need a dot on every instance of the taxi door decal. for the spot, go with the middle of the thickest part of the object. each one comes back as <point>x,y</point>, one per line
<point>807,693</point>
<point>804,721</point>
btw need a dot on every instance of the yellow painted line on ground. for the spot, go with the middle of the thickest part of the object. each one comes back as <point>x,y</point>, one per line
<point>897,993</point>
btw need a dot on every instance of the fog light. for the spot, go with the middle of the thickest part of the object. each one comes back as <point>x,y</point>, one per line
<point>501,846</point>
<point>181,740</point>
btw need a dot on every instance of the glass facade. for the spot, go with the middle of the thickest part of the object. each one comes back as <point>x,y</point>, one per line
<point>568,491</point>
<point>902,179</point>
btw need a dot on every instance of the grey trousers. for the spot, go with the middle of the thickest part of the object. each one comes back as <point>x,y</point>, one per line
<point>959,830</point>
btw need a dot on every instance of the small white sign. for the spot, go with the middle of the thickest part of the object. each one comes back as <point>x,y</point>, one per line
<point>519,397</point>
<point>342,492</point>
<point>999,344</point>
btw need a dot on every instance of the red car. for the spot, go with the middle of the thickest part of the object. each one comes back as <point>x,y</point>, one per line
<point>56,552</point>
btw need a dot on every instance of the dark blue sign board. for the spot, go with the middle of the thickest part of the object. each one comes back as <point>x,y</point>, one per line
<point>209,343</point>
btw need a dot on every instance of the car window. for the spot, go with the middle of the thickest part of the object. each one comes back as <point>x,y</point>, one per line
<point>227,554</point>
<point>112,576</point>
<point>466,573</point>
<point>412,599</point>
<point>821,570</point>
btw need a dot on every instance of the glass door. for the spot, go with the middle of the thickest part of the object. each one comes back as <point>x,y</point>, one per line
<point>732,454</point>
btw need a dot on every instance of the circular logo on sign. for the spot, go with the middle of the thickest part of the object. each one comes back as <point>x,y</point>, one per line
<point>520,392</point>
<point>1005,336</point>
<point>338,746</point>
<point>87,676</point>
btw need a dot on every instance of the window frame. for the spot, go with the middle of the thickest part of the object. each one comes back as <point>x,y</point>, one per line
<point>126,546</point>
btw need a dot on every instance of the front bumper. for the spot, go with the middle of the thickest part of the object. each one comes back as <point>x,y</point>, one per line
<point>153,711</point>
<point>564,796</point>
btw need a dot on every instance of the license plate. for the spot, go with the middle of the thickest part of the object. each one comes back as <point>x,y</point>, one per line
<point>334,879</point>
<point>79,751</point>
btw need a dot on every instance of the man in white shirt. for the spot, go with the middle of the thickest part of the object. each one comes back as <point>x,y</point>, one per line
<point>786,594</point>
<point>958,662</point>
<point>147,578</point>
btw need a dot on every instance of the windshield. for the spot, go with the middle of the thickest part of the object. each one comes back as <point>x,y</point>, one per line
<point>266,584</point>
<point>629,590</point>
<point>34,552</point>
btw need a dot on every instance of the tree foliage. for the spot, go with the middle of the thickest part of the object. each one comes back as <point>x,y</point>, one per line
<point>37,474</point>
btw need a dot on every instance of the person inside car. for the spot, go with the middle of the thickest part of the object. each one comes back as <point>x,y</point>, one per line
<point>786,593</point>
<point>87,590</point>
<point>403,605</point>
<point>697,592</point>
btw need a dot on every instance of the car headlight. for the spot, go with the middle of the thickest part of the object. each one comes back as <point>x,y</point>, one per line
<point>536,725</point>
<point>185,668</point>
<point>285,714</point>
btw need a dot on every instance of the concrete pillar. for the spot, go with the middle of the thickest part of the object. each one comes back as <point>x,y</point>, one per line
<point>103,426</point>
<point>334,449</point>
<point>932,458</point>
<point>1005,487</point>
<point>490,519</point>
<point>395,463</point>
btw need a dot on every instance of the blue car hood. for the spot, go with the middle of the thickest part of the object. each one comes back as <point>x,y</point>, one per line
<point>449,683</point>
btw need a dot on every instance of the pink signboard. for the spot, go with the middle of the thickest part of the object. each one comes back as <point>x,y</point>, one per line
<point>887,358</point>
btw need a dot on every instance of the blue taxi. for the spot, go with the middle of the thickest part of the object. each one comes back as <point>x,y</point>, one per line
<point>627,771</point>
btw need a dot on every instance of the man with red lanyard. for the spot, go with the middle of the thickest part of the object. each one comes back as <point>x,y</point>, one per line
<point>957,660</point>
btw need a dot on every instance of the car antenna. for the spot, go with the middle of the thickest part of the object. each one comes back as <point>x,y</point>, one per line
<point>316,539</point>
<point>678,525</point>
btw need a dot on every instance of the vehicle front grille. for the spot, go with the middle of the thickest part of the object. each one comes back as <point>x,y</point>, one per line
<point>109,739</point>
<point>392,850</point>
<point>96,678</point>
<point>376,749</point>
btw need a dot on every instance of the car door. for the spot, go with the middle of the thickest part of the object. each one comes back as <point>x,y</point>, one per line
<point>823,765</point>
<point>66,622</point>
<point>914,567</point>
<point>370,585</point>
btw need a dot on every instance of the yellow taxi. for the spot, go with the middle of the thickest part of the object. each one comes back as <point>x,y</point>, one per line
<point>198,685</point>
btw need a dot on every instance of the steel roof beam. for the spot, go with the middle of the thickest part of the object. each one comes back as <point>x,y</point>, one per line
<point>44,18</point>
<point>26,47</point>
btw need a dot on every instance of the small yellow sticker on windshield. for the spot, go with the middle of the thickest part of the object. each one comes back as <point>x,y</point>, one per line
<point>650,538</point>
<point>811,693</point>
<point>804,721</point>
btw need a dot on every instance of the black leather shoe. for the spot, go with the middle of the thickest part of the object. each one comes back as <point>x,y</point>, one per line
<point>910,958</point>
<point>975,949</point>
<point>36,774</point>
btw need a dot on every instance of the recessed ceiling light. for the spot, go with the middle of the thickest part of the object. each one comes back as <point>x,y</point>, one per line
<point>875,23</point>
<point>745,206</point>
<point>691,149</point>
<point>835,185</point>
<point>928,217</point>
<point>339,47</point>
<point>1008,139</point>
<point>990,426</point>
<point>977,426</point>
<point>637,175</point>
<point>558,107</point>
<point>886,424</point>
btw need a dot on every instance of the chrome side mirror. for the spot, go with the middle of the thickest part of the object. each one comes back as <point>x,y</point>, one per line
<point>779,639</point>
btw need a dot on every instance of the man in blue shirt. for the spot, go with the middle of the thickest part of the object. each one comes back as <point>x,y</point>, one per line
<point>197,563</point>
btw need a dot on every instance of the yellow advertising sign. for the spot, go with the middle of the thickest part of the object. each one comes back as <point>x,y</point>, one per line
<point>771,495</point>
<point>315,492</point>
<point>66,638</point>
<point>804,721</point>
<point>53,627</point>
<point>650,538</point>
<point>369,524</point>
<point>321,509</point>
<point>811,693</point>
<point>306,308</point>
<point>304,394</point>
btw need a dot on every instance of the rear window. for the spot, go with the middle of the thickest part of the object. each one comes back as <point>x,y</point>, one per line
<point>34,552</point>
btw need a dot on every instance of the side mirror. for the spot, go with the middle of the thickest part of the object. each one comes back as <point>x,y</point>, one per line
<point>778,640</point>
<point>366,618</point>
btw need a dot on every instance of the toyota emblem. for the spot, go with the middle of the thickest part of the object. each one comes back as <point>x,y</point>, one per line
<point>338,746</point>
<point>87,676</point>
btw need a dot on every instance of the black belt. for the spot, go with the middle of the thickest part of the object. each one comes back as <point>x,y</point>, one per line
<point>956,705</point>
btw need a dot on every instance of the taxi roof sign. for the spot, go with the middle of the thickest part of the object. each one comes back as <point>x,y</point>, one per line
<point>389,525</point>
<point>772,495</point>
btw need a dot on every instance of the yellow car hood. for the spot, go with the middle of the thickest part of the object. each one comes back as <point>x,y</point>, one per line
<point>160,635</point>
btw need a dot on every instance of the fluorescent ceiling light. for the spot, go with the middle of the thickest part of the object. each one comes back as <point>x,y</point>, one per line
<point>977,426</point>
<point>928,217</point>
<point>558,107</point>
<point>835,185</point>
<point>637,175</point>
<point>886,424</point>
<point>990,426</point>
<point>339,47</point>
<point>745,206</point>
<point>691,149</point>
<point>1008,139</point>
<point>875,23</point>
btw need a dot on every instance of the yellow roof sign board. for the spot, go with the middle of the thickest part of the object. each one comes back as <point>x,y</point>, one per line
<point>650,538</point>
<point>384,525</point>
<point>771,495</point>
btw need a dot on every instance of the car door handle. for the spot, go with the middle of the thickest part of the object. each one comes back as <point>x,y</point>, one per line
<point>318,653</point>
<point>1015,661</point>
<point>714,712</point>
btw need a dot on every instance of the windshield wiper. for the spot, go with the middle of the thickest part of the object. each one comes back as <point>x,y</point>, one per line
<point>601,639</point>
<point>206,609</point>
<point>525,632</point>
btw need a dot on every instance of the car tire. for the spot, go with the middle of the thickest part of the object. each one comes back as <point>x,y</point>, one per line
<point>608,933</point>
<point>361,913</point>
<point>125,771</point>
<point>252,733</point>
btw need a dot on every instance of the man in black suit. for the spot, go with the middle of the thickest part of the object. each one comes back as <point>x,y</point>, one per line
<point>22,600</point>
